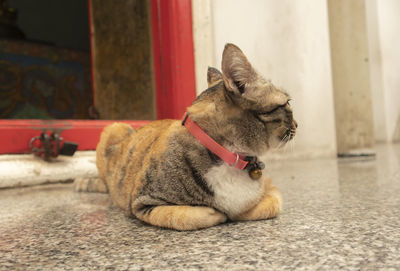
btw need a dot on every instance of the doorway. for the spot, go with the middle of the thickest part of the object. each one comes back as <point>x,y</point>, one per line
<point>132,54</point>
<point>45,60</point>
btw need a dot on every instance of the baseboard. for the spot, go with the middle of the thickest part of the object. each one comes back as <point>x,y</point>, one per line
<point>26,169</point>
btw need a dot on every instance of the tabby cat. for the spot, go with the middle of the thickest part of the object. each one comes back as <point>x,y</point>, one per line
<point>164,176</point>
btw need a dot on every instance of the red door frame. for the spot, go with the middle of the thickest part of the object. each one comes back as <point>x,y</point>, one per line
<point>15,135</point>
<point>173,55</point>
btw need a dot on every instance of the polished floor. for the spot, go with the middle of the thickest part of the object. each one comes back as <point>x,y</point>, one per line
<point>338,215</point>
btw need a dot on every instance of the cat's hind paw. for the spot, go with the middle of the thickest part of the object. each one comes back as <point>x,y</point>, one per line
<point>183,218</point>
<point>82,184</point>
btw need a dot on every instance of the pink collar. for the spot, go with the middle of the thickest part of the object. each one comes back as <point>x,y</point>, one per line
<point>233,159</point>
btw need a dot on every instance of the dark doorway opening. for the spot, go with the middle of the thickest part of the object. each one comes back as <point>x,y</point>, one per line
<point>45,68</point>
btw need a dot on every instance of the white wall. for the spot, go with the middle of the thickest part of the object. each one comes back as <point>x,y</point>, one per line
<point>389,30</point>
<point>203,38</point>
<point>288,42</point>
<point>375,68</point>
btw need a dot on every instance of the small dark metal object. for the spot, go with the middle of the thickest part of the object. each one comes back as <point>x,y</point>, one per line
<point>254,167</point>
<point>255,174</point>
<point>48,146</point>
<point>68,148</point>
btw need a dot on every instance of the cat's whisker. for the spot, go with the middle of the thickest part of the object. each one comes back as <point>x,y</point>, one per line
<point>287,144</point>
<point>285,147</point>
<point>292,145</point>
<point>279,144</point>
<point>282,141</point>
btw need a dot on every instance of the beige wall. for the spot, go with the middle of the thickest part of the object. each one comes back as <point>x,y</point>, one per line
<point>288,42</point>
<point>389,37</point>
<point>203,37</point>
<point>375,68</point>
<point>383,19</point>
<point>351,79</point>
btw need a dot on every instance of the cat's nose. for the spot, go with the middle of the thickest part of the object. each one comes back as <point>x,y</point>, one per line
<point>295,123</point>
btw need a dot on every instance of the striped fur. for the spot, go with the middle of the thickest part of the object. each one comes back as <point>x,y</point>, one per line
<point>162,175</point>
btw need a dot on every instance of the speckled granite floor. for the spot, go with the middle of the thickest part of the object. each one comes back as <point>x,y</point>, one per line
<point>338,215</point>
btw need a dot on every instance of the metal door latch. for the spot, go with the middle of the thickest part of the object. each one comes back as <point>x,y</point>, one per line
<point>49,146</point>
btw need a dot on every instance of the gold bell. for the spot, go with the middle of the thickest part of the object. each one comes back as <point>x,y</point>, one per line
<point>255,174</point>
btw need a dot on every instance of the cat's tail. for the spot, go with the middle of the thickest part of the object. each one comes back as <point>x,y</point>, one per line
<point>111,140</point>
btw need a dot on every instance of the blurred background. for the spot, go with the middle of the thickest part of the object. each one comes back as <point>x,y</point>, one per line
<point>143,60</point>
<point>337,59</point>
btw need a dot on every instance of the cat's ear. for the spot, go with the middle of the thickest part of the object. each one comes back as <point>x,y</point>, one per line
<point>238,74</point>
<point>213,76</point>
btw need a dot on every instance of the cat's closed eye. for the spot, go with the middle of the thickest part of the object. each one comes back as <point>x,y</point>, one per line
<point>274,109</point>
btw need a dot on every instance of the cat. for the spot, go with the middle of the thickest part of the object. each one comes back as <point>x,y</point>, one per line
<point>164,176</point>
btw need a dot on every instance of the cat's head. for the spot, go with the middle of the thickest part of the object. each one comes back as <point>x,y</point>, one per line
<point>242,110</point>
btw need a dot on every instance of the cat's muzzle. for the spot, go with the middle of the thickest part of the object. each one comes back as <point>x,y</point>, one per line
<point>291,132</point>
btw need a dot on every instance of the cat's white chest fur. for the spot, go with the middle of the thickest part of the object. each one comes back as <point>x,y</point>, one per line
<point>234,190</point>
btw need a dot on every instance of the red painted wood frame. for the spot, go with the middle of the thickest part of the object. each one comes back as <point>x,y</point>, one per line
<point>173,53</point>
<point>15,135</point>
<point>174,81</point>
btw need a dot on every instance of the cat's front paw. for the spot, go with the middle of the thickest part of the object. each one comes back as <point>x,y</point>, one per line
<point>270,206</point>
<point>274,196</point>
<point>210,217</point>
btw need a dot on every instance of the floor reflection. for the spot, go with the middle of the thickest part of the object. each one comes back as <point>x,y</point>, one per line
<point>338,214</point>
